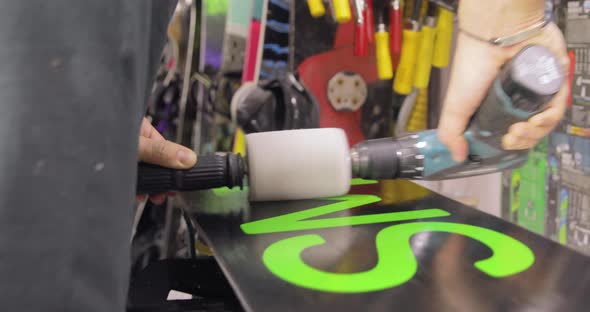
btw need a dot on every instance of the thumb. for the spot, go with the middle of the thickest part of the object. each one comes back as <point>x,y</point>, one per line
<point>476,65</point>
<point>166,154</point>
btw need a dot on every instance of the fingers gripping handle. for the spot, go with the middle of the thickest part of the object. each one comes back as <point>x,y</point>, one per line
<point>523,88</point>
<point>211,171</point>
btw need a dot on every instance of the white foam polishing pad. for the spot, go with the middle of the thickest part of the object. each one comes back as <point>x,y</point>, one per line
<point>298,164</point>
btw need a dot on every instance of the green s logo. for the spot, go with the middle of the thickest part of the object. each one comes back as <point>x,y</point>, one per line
<point>396,261</point>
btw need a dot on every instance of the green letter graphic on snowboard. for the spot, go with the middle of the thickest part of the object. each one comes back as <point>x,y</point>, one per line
<point>396,263</point>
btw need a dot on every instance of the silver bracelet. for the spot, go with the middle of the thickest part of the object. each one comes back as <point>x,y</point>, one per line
<point>513,39</point>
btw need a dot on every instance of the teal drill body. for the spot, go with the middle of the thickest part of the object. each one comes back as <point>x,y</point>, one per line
<point>523,88</point>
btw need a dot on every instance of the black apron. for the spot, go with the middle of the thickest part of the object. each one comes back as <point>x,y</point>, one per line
<point>74,80</point>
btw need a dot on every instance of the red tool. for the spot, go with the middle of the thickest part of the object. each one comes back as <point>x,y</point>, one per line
<point>395,31</point>
<point>369,21</point>
<point>360,32</point>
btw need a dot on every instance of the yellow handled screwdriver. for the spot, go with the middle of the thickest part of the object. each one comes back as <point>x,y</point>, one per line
<point>316,8</point>
<point>406,70</point>
<point>424,61</point>
<point>383,54</point>
<point>444,38</point>
<point>342,12</point>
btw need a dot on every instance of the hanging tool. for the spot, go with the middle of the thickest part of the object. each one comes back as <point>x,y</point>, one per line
<point>311,163</point>
<point>419,117</point>
<point>341,9</point>
<point>316,8</point>
<point>444,38</point>
<point>406,70</point>
<point>360,32</point>
<point>395,31</point>
<point>368,13</point>
<point>405,113</point>
<point>384,67</point>
<point>424,60</point>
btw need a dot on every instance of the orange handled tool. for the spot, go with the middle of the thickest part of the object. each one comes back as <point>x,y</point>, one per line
<point>395,31</point>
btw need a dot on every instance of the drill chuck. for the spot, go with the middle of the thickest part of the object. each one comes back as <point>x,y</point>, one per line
<point>388,158</point>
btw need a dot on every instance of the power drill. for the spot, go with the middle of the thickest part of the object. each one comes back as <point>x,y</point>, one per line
<point>522,89</point>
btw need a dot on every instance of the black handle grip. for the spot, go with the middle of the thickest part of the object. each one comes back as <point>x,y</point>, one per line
<point>211,171</point>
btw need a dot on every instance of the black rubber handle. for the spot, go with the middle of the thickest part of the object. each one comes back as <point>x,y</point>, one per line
<point>211,171</point>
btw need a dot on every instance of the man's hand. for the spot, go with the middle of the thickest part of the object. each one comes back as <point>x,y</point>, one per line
<point>476,65</point>
<point>154,149</point>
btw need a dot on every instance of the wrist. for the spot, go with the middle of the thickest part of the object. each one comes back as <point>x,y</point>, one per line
<point>499,18</point>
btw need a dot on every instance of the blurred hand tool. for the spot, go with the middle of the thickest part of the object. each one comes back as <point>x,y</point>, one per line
<point>395,31</point>
<point>360,31</point>
<point>406,70</point>
<point>424,60</point>
<point>444,38</point>
<point>342,12</point>
<point>384,68</point>
<point>369,21</point>
<point>316,7</point>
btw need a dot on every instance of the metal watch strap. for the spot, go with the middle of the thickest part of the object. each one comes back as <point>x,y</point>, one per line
<point>513,39</point>
<point>522,35</point>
